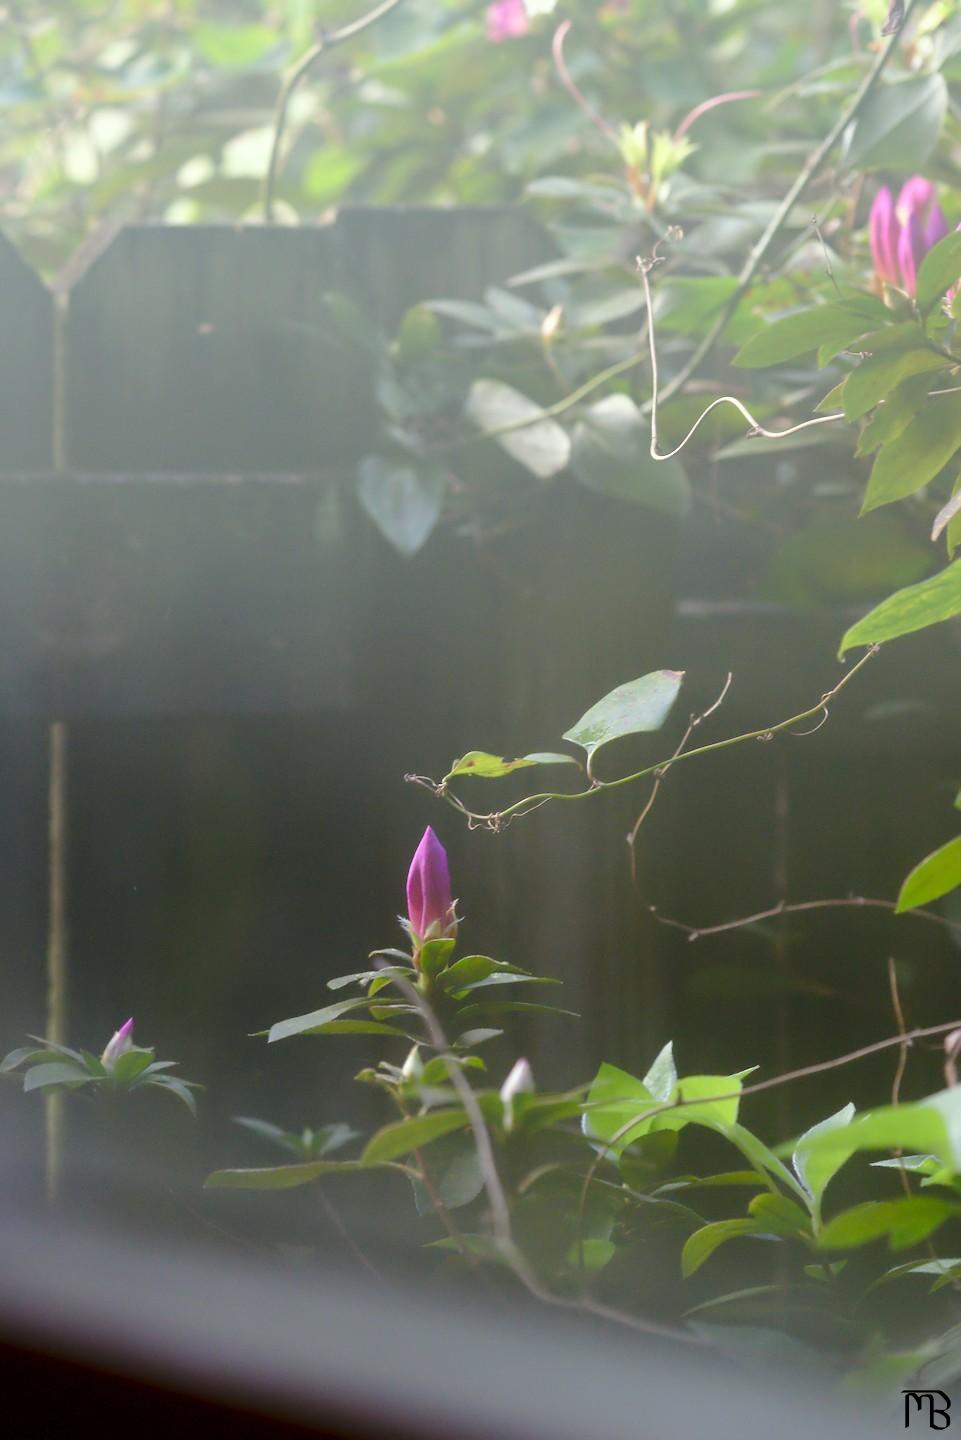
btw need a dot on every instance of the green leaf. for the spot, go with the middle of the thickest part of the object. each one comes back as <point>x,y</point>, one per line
<point>940,269</point>
<point>761,1156</point>
<point>130,1064</point>
<point>798,334</point>
<point>492,767</point>
<point>932,877</point>
<point>316,1021</point>
<point>183,1090</point>
<point>779,1215</point>
<point>815,1169</point>
<point>403,1136</point>
<point>910,609</point>
<point>364,977</point>
<point>504,1007</point>
<point>404,502</point>
<point>931,1126</point>
<point>611,455</point>
<point>471,968</point>
<point>686,306</point>
<point>539,443</point>
<point>639,706</point>
<point>919,453</point>
<point>898,125</point>
<point>880,373</point>
<point>591,1254</point>
<point>893,414</point>
<point>24,1052</point>
<point>434,955</point>
<point>234,46</point>
<point>456,1175</point>
<point>702,1244</point>
<point>59,1073</point>
<point>278,1177</point>
<point>661,1079</point>
<point>904,1222</point>
<point>614,1099</point>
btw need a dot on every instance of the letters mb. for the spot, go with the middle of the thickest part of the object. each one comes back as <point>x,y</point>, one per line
<point>915,1402</point>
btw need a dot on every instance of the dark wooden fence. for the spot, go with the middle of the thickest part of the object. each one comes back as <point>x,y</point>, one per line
<point>244,689</point>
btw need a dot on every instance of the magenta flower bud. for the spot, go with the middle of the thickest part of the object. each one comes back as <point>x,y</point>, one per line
<point>507,20</point>
<point>921,225</point>
<point>883,228</point>
<point>430,908</point>
<point>118,1045</point>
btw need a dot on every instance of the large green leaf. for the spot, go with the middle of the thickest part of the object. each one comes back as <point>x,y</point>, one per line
<point>816,1168</point>
<point>932,877</point>
<point>882,372</point>
<point>403,501</point>
<point>702,1244</point>
<point>910,609</point>
<point>279,1177</point>
<point>404,1136</point>
<point>539,443</point>
<point>893,414</point>
<point>611,454</point>
<point>39,1077</point>
<point>639,706</point>
<point>798,334</point>
<point>904,1222</point>
<point>917,455</point>
<point>315,1020</point>
<point>940,269</point>
<point>898,125</point>
<point>931,1126</point>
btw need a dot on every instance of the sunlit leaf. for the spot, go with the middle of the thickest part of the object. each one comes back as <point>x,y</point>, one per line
<point>639,706</point>
<point>932,877</point>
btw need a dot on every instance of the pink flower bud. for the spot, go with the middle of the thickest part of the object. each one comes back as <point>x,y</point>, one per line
<point>883,228</point>
<point>118,1045</point>
<point>922,225</point>
<point>507,20</point>
<point>430,908</point>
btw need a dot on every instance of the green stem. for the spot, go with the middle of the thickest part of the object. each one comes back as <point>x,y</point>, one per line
<point>814,164</point>
<point>294,78</point>
<point>599,786</point>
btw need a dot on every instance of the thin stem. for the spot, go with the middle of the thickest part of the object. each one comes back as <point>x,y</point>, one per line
<point>57,937</point>
<point>814,164</point>
<point>694,722</point>
<point>495,820</point>
<point>644,266</point>
<point>295,77</point>
<point>497,1197</point>
<point>851,902</point>
<point>904,1038</point>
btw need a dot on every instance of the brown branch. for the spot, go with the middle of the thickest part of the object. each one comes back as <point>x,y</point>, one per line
<point>852,902</point>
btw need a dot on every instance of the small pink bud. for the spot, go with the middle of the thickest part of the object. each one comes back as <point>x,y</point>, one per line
<point>119,1044</point>
<point>430,908</point>
<point>922,225</point>
<point>507,20</point>
<point>883,227</point>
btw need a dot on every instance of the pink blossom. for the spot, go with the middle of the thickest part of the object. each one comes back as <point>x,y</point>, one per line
<point>118,1044</point>
<point>507,20</point>
<point>430,909</point>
